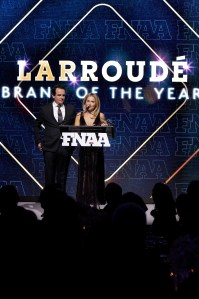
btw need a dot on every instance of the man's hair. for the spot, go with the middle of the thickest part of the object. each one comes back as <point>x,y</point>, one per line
<point>57,86</point>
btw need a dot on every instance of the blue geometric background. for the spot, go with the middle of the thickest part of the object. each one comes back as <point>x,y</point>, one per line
<point>103,36</point>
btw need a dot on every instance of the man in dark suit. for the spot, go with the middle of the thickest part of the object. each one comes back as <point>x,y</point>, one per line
<point>56,156</point>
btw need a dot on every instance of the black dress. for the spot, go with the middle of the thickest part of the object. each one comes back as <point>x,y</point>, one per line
<point>90,185</point>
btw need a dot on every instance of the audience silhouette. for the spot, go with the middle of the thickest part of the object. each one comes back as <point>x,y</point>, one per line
<point>83,242</point>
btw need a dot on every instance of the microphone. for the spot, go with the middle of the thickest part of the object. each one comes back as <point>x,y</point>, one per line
<point>87,108</point>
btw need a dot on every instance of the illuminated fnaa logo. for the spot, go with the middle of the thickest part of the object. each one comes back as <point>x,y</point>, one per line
<point>85,139</point>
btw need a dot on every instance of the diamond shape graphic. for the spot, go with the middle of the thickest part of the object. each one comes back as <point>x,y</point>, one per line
<point>146,44</point>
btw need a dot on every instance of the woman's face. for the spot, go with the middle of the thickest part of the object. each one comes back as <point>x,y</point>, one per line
<point>90,104</point>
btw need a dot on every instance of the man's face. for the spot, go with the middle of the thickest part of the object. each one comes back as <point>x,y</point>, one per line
<point>59,96</point>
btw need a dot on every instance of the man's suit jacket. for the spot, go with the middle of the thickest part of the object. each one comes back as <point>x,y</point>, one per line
<point>51,139</point>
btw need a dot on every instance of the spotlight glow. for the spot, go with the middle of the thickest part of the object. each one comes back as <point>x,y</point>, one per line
<point>75,80</point>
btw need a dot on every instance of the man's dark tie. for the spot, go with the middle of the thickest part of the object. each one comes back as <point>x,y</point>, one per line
<point>60,116</point>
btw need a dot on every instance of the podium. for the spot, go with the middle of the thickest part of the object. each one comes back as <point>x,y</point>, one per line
<point>95,136</point>
<point>109,130</point>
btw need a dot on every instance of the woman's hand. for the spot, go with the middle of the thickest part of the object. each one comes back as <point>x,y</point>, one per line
<point>39,146</point>
<point>104,123</point>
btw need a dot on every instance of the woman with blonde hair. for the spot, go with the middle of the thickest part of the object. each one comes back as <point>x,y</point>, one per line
<point>90,186</point>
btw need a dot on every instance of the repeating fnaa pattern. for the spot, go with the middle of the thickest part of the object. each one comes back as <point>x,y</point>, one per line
<point>156,122</point>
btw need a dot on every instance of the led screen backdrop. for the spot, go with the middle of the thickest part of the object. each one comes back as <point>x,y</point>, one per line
<point>114,49</point>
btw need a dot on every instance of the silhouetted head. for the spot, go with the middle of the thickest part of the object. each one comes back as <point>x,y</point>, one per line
<point>134,198</point>
<point>162,197</point>
<point>193,189</point>
<point>113,193</point>
<point>9,197</point>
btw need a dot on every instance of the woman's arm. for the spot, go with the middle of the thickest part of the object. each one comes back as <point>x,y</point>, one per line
<point>77,119</point>
<point>103,120</point>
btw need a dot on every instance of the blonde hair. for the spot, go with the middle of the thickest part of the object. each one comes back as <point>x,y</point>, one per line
<point>97,103</point>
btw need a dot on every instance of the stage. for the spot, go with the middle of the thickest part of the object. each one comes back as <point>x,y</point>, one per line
<point>37,209</point>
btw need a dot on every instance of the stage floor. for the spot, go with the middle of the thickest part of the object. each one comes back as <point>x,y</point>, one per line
<point>37,209</point>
